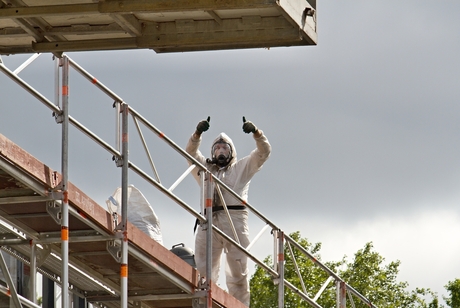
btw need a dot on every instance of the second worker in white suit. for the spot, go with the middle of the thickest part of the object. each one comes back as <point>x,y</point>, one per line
<point>237,175</point>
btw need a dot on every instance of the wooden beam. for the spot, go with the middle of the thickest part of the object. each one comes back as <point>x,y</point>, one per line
<point>155,6</point>
<point>85,29</point>
<point>48,10</point>
<point>129,23</point>
<point>131,7</point>
<point>182,35</point>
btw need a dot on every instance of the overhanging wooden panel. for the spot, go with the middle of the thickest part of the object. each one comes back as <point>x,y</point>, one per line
<point>165,26</point>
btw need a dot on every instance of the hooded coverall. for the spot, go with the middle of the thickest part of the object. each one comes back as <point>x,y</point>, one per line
<point>236,175</point>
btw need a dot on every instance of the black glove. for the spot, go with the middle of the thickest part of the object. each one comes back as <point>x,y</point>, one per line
<point>203,126</point>
<point>249,127</point>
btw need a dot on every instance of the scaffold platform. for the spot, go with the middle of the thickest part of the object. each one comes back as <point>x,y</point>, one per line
<point>37,26</point>
<point>157,277</point>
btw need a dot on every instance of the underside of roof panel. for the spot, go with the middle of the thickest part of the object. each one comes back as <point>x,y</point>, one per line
<point>165,26</point>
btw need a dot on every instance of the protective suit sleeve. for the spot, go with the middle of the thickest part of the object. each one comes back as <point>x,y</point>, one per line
<point>192,148</point>
<point>260,154</point>
<point>252,163</point>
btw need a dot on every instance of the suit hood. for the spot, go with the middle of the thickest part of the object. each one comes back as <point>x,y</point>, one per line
<point>226,139</point>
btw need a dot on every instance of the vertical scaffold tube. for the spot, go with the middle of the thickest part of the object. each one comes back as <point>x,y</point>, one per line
<point>281,269</point>
<point>124,206</point>
<point>57,90</point>
<point>117,125</point>
<point>65,176</point>
<point>208,210</point>
<point>33,272</point>
<point>341,294</point>
<point>275,251</point>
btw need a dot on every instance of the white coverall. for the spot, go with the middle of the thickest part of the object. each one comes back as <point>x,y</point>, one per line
<point>236,175</point>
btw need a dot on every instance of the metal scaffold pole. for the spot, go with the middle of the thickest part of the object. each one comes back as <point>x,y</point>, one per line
<point>33,271</point>
<point>341,294</point>
<point>208,210</point>
<point>124,207</point>
<point>65,199</point>
<point>280,235</point>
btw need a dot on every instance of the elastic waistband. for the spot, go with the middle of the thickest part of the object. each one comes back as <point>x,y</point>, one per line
<point>220,208</point>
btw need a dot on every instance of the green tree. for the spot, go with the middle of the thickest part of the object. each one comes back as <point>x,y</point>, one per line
<point>367,273</point>
<point>453,287</point>
<point>264,293</point>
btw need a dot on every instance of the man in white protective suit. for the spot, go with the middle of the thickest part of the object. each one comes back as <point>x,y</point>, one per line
<point>236,174</point>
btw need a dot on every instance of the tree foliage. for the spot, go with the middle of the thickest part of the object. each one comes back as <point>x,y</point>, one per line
<point>453,287</point>
<point>378,281</point>
<point>263,290</point>
<point>367,273</point>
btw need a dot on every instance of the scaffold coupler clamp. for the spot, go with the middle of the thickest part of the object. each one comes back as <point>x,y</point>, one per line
<point>111,201</point>
<point>201,293</point>
<point>54,206</point>
<point>119,161</point>
<point>58,117</point>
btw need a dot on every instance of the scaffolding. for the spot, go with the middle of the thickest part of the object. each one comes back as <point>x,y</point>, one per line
<point>53,227</point>
<point>62,201</point>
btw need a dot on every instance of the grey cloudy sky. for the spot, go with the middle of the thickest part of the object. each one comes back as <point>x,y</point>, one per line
<point>364,129</point>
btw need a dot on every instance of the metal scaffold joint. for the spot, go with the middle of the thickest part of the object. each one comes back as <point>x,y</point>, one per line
<point>118,161</point>
<point>117,103</point>
<point>58,116</point>
<point>200,299</point>
<point>120,227</point>
<point>54,209</point>
<point>114,248</point>
<point>197,304</point>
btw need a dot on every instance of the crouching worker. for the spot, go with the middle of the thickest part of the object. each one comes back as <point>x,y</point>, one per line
<point>236,174</point>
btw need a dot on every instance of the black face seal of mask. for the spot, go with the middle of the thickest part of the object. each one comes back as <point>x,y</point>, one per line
<point>222,160</point>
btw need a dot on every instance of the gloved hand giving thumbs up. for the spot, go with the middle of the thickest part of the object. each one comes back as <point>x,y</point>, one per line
<point>202,126</point>
<point>249,127</point>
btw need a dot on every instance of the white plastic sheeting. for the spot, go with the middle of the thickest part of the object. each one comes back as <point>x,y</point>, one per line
<point>140,213</point>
